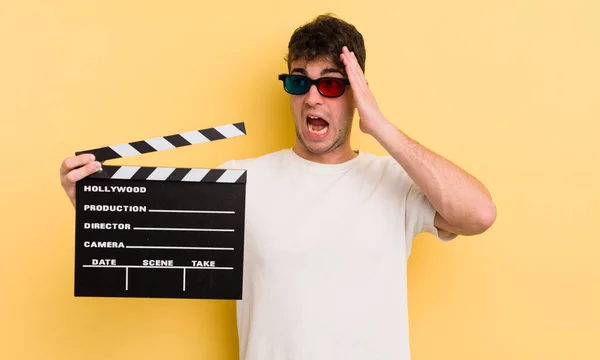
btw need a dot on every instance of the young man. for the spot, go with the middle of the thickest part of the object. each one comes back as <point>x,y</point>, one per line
<point>329,229</point>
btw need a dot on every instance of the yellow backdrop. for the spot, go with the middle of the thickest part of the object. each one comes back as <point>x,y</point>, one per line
<point>509,90</point>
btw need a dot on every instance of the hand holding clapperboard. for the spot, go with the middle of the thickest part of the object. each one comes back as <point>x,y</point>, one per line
<point>159,232</point>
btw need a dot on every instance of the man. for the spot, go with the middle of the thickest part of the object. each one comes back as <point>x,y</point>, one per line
<point>328,228</point>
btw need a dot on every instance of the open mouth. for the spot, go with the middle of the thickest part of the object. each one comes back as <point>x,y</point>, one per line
<point>316,125</point>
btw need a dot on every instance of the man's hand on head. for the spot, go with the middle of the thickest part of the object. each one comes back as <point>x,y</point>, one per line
<point>370,116</point>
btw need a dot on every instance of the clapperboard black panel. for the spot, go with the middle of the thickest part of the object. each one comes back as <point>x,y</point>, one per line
<point>158,232</point>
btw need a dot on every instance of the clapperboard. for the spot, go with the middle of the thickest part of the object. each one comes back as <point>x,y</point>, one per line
<point>160,232</point>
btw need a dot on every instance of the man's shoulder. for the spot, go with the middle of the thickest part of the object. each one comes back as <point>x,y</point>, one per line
<point>384,162</point>
<point>384,169</point>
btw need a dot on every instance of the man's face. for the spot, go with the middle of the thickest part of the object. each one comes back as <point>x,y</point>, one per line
<point>322,124</point>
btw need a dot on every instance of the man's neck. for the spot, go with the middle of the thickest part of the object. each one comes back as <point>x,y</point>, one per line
<point>337,156</point>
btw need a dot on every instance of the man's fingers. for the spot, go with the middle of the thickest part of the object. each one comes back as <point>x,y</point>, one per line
<point>75,175</point>
<point>352,60</point>
<point>73,162</point>
<point>350,69</point>
<point>354,70</point>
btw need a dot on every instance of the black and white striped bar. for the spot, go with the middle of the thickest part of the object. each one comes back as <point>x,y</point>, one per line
<point>162,143</point>
<point>161,232</point>
<point>224,176</point>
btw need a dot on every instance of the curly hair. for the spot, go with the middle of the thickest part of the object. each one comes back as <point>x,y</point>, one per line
<point>324,37</point>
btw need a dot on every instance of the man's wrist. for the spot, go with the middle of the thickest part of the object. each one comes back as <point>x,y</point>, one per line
<point>384,131</point>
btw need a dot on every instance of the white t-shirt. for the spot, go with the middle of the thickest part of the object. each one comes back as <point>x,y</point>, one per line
<point>325,257</point>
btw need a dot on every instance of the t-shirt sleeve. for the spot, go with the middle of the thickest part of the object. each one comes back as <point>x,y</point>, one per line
<point>420,215</point>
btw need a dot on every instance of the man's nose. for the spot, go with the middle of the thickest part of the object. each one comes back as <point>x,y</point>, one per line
<point>313,97</point>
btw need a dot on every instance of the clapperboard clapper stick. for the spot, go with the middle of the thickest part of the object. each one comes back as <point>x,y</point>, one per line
<point>161,232</point>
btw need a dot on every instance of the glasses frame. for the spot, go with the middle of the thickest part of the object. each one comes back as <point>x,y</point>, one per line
<point>315,82</point>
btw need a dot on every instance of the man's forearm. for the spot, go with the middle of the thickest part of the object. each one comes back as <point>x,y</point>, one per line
<point>460,199</point>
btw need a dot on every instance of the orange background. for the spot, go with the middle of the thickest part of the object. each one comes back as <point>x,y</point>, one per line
<point>509,90</point>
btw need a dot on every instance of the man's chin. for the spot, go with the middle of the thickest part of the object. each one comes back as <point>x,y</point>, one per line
<point>317,147</point>
<point>318,150</point>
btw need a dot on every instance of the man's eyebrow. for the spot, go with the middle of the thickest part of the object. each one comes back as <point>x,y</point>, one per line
<point>331,70</point>
<point>323,72</point>
<point>300,70</point>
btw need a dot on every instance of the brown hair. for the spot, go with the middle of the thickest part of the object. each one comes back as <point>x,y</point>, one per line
<point>324,37</point>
